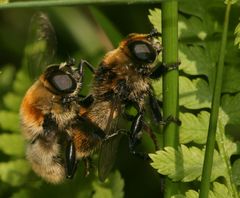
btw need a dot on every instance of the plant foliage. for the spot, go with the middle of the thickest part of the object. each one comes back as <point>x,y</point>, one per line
<point>199,34</point>
<point>200,26</point>
<point>16,175</point>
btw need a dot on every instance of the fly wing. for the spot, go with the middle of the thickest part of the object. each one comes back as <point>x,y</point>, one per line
<point>109,147</point>
<point>41,45</point>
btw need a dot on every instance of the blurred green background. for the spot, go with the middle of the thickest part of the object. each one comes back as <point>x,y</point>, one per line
<point>82,32</point>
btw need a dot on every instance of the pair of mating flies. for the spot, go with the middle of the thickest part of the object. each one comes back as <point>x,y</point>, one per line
<point>61,127</point>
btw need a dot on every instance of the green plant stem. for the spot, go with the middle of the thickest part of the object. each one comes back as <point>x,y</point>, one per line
<point>170,80</point>
<point>221,139</point>
<point>45,3</point>
<point>208,160</point>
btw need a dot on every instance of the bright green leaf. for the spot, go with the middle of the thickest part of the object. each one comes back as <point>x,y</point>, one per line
<point>4,1</point>
<point>178,196</point>
<point>185,164</point>
<point>196,60</point>
<point>230,147</point>
<point>155,19</point>
<point>231,78</point>
<point>22,82</point>
<point>225,142</point>
<point>236,172</point>
<point>211,194</point>
<point>6,78</point>
<point>101,192</point>
<point>14,172</point>
<point>9,121</point>
<point>192,194</point>
<point>194,94</point>
<point>231,107</point>
<point>194,128</point>
<point>231,1</point>
<point>12,144</point>
<point>199,47</point>
<point>237,35</point>
<point>12,101</point>
<point>220,190</point>
<point>198,31</point>
<point>111,188</point>
<point>196,10</point>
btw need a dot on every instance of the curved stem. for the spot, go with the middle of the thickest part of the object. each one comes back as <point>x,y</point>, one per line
<point>221,139</point>
<point>208,160</point>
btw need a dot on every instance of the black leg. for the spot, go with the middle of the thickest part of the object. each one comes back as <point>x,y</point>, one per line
<point>90,67</point>
<point>155,108</point>
<point>171,119</point>
<point>135,133</point>
<point>86,101</point>
<point>135,136</point>
<point>152,135</point>
<point>119,132</point>
<point>88,165</point>
<point>71,162</point>
<point>171,66</point>
<point>156,112</point>
<point>159,70</point>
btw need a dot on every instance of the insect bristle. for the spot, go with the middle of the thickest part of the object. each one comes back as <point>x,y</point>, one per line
<point>155,33</point>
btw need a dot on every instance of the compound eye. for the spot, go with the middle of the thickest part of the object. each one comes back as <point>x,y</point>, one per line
<point>142,51</point>
<point>63,82</point>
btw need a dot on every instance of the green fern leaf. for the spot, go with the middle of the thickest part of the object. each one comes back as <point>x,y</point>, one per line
<point>194,94</point>
<point>185,164</point>
<point>111,188</point>
<point>14,172</point>
<point>9,121</point>
<point>12,144</point>
<point>194,128</point>
<point>155,19</point>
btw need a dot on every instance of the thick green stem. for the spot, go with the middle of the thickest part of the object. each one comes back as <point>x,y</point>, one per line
<point>208,160</point>
<point>170,79</point>
<point>45,3</point>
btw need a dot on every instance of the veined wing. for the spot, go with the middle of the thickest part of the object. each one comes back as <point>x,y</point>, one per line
<point>41,45</point>
<point>109,147</point>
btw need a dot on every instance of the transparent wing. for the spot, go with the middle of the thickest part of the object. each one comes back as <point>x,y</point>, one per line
<point>109,147</point>
<point>41,44</point>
